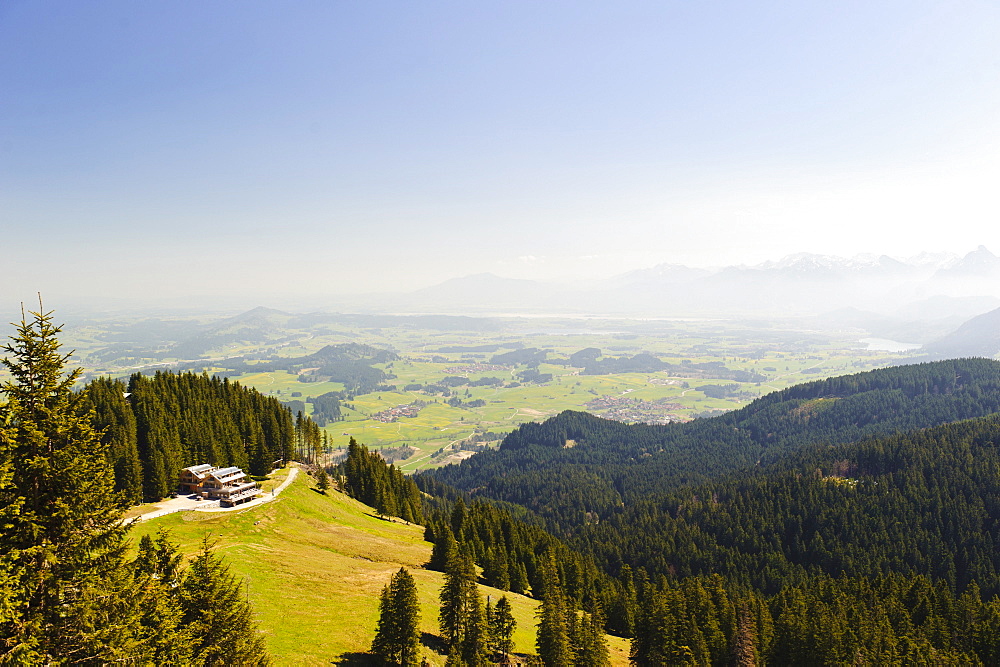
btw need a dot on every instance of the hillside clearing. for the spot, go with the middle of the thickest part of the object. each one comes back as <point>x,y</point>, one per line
<point>314,566</point>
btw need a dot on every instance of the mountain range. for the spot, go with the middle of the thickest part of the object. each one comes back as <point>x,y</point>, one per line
<point>802,284</point>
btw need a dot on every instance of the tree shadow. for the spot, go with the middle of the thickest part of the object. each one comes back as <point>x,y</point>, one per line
<point>434,643</point>
<point>427,640</point>
<point>348,659</point>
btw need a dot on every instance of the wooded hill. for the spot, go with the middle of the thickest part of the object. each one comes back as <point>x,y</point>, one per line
<point>841,520</point>
<point>156,425</point>
<point>349,363</point>
<point>576,468</point>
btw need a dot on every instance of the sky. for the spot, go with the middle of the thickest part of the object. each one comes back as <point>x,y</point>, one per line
<point>235,150</point>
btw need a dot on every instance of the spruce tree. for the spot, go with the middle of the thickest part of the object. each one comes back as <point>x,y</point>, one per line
<point>75,597</point>
<point>322,480</point>
<point>218,615</point>
<point>590,648</point>
<point>553,640</point>
<point>398,637</point>
<point>502,625</point>
<point>462,621</point>
<point>157,571</point>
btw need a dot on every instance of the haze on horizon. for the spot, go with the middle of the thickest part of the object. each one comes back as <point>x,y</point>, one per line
<point>193,151</point>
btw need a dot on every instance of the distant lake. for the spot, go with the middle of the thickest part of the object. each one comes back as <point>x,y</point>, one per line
<point>886,345</point>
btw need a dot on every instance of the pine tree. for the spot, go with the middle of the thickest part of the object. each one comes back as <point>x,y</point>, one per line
<point>157,571</point>
<point>444,546</point>
<point>461,618</point>
<point>218,616</point>
<point>553,640</point>
<point>322,480</point>
<point>590,648</point>
<point>398,637</point>
<point>502,624</point>
<point>75,597</point>
<point>475,644</point>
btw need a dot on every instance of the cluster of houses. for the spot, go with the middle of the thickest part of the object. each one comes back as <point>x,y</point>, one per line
<point>229,486</point>
<point>635,410</point>
<point>475,368</point>
<point>393,414</point>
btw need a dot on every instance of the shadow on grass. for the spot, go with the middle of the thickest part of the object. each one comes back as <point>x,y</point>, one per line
<point>315,490</point>
<point>427,640</point>
<point>434,643</point>
<point>356,660</point>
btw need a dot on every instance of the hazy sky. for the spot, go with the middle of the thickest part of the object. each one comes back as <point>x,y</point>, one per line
<point>168,148</point>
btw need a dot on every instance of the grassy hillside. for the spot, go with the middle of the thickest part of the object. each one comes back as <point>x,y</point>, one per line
<point>314,567</point>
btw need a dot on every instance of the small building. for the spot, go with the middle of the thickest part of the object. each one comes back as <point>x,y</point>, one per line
<point>229,486</point>
<point>192,478</point>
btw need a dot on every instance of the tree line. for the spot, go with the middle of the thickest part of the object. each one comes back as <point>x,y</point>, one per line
<point>154,426</point>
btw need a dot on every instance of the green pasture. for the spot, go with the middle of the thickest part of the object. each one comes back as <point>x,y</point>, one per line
<point>314,566</point>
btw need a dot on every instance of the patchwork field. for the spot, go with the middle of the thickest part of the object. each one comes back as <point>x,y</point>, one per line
<point>439,427</point>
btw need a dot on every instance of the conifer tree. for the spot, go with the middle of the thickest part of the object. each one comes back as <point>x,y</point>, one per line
<point>461,618</point>
<point>502,624</point>
<point>590,648</point>
<point>322,480</point>
<point>74,593</point>
<point>157,571</point>
<point>444,546</point>
<point>398,637</point>
<point>219,617</point>
<point>553,639</point>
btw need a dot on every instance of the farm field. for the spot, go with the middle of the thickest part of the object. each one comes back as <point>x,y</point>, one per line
<point>314,566</point>
<point>440,433</point>
<point>442,422</point>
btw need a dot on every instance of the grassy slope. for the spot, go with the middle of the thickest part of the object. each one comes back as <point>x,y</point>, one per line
<point>315,565</point>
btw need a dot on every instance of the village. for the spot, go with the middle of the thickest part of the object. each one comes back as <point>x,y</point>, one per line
<point>475,368</point>
<point>635,410</point>
<point>393,414</point>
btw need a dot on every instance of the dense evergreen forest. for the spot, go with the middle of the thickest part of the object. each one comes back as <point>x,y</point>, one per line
<point>365,476</point>
<point>611,464</point>
<point>154,426</point>
<point>855,519</point>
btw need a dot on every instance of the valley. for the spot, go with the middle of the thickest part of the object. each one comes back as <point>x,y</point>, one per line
<point>446,386</point>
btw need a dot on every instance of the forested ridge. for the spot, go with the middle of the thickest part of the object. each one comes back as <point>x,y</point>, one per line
<point>613,464</point>
<point>154,426</point>
<point>855,519</point>
<point>924,502</point>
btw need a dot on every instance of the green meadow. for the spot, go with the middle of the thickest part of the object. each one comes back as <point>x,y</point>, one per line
<point>314,566</point>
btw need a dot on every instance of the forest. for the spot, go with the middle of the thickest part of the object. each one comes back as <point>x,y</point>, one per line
<point>855,519</point>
